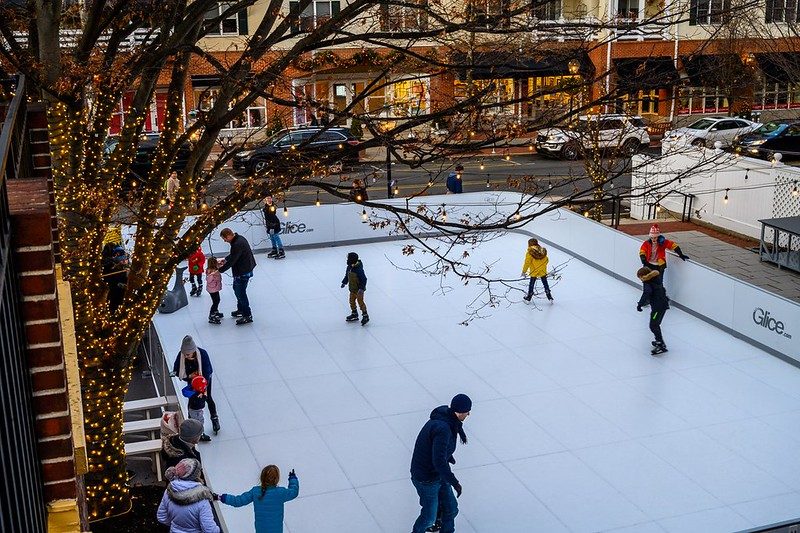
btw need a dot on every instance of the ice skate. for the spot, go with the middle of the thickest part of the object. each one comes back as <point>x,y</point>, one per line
<point>244,320</point>
<point>659,348</point>
<point>273,253</point>
<point>236,314</point>
<point>215,424</point>
<point>435,527</point>
<point>193,292</point>
<point>527,298</point>
<point>204,438</point>
<point>364,319</point>
<point>280,255</point>
<point>352,317</point>
<point>218,314</point>
<point>213,319</point>
<point>550,298</point>
<point>199,290</point>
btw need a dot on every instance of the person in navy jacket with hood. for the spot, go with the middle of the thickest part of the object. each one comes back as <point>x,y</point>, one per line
<point>194,361</point>
<point>430,464</point>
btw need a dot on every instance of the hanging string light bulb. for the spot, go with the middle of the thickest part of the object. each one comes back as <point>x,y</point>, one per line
<point>317,203</point>
<point>364,214</point>
<point>285,209</point>
<point>482,165</point>
<point>487,181</point>
<point>726,196</point>
<point>444,214</point>
<point>795,192</point>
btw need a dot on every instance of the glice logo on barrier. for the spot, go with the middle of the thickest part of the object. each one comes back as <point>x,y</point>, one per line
<point>294,227</point>
<point>763,319</point>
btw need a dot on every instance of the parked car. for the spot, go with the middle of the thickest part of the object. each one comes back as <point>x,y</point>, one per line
<point>627,134</point>
<point>706,132</point>
<point>143,160</point>
<point>330,145</point>
<point>772,137</point>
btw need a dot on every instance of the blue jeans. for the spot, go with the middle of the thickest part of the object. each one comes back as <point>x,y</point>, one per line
<point>432,494</point>
<point>532,284</point>
<point>240,290</point>
<point>275,239</point>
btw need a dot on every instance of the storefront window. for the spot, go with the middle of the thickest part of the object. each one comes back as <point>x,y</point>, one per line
<point>640,103</point>
<point>700,100</point>
<point>557,93</point>
<point>410,98</point>
<point>497,91</point>
<point>255,116</point>
<point>777,96</point>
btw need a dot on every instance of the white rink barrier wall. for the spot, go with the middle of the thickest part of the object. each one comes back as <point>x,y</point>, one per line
<point>766,320</point>
<point>756,189</point>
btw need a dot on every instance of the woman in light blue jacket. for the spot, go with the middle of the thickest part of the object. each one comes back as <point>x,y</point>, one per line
<point>267,499</point>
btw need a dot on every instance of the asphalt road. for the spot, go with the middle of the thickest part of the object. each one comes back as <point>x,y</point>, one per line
<point>533,170</point>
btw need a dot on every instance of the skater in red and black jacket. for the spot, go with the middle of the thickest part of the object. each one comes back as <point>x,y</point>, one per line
<point>654,295</point>
<point>653,251</point>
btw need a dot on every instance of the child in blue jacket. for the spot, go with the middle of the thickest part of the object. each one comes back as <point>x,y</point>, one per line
<point>356,281</point>
<point>267,499</point>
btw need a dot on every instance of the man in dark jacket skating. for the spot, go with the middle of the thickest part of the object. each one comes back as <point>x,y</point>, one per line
<point>241,261</point>
<point>356,282</point>
<point>430,464</point>
<point>654,295</point>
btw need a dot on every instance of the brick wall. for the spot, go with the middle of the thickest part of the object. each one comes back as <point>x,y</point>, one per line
<point>32,246</point>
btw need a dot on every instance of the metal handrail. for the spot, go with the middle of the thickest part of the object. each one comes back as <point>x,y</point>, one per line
<point>10,126</point>
<point>686,214</point>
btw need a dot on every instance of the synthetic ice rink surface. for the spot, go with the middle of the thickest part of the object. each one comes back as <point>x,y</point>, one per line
<point>574,426</point>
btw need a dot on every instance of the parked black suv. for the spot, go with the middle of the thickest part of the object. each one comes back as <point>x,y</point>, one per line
<point>772,137</point>
<point>332,145</point>
<point>143,160</point>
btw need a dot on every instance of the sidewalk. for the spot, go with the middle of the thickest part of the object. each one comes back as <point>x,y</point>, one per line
<point>725,253</point>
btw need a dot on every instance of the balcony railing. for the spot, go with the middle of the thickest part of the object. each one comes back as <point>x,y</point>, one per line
<point>566,29</point>
<point>634,30</point>
<point>71,38</point>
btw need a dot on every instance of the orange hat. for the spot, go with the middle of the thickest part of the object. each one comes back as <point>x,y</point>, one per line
<point>655,231</point>
<point>199,384</point>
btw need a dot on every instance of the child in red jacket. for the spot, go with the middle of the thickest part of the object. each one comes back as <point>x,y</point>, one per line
<point>197,261</point>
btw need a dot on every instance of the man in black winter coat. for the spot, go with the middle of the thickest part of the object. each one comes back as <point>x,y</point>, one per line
<point>430,464</point>
<point>241,262</point>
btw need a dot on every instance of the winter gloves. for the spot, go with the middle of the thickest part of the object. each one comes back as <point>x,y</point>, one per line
<point>457,486</point>
<point>639,308</point>
<point>292,474</point>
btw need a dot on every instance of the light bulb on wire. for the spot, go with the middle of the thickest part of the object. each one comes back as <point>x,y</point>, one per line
<point>726,196</point>
<point>285,210</point>
<point>317,203</point>
<point>795,192</point>
<point>364,214</point>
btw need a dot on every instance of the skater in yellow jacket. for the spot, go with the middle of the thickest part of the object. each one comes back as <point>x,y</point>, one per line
<point>535,266</point>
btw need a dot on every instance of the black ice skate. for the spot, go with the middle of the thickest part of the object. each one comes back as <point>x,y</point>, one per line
<point>199,290</point>
<point>435,527</point>
<point>193,292</point>
<point>550,297</point>
<point>204,438</point>
<point>273,253</point>
<point>236,314</point>
<point>218,314</point>
<point>280,255</point>
<point>214,319</point>
<point>352,317</point>
<point>659,348</point>
<point>215,424</point>
<point>528,297</point>
<point>244,320</point>
<point>364,319</point>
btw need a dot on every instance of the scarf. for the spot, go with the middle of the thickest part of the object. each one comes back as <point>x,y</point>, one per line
<point>182,365</point>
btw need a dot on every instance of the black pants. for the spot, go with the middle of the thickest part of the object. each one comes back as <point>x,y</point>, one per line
<point>214,303</point>
<point>198,277</point>
<point>532,284</point>
<point>655,323</point>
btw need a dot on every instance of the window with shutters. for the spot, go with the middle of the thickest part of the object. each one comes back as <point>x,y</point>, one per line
<point>709,12</point>
<point>316,13</point>
<point>492,13</point>
<point>235,24</point>
<point>781,11</point>
<point>547,9</point>
<point>404,18</point>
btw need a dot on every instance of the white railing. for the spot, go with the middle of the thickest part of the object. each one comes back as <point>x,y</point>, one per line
<point>755,189</point>
<point>566,29</point>
<point>634,30</point>
<point>70,38</point>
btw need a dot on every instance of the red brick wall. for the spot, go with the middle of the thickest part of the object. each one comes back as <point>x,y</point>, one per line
<point>32,245</point>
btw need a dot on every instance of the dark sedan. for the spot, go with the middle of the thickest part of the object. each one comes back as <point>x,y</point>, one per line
<point>143,160</point>
<point>334,145</point>
<point>773,137</point>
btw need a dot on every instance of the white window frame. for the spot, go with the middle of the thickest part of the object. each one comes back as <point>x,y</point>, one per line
<point>260,104</point>
<point>704,94</point>
<point>220,9</point>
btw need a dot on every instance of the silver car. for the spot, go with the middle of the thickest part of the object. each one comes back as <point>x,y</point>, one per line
<point>705,132</point>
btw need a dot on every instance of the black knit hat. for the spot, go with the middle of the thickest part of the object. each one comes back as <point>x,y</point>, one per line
<point>352,257</point>
<point>461,403</point>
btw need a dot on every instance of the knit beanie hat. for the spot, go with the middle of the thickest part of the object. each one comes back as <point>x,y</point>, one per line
<point>188,469</point>
<point>655,231</point>
<point>188,345</point>
<point>199,384</point>
<point>461,403</point>
<point>191,430</point>
<point>352,257</point>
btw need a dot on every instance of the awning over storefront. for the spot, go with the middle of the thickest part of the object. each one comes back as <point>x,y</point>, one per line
<point>713,70</point>
<point>645,74</point>
<point>498,65</point>
<point>780,67</point>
